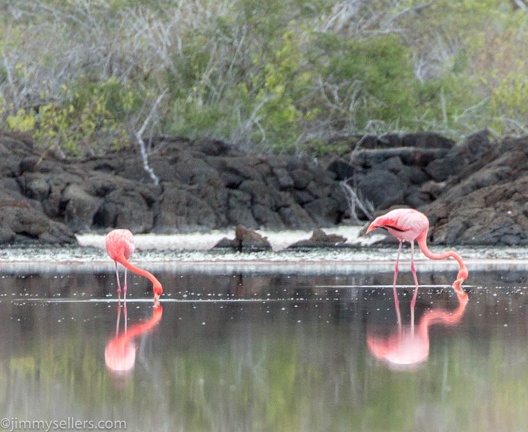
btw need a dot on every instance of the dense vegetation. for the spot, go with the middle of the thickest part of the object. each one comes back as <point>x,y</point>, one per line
<point>84,76</point>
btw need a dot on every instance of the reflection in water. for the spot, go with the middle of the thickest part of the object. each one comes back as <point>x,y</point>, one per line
<point>120,352</point>
<point>409,345</point>
<point>265,352</point>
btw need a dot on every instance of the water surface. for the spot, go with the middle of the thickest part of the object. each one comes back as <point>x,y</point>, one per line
<point>259,351</point>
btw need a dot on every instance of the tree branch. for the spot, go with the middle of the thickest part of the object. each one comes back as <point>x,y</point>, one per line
<point>142,147</point>
<point>520,4</point>
<point>415,8</point>
<point>354,200</point>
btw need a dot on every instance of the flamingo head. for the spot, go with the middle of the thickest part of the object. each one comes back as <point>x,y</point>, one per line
<point>387,224</point>
<point>373,226</point>
<point>158,291</point>
<point>463,274</point>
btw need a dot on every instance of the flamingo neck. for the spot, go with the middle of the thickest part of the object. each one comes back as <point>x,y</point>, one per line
<point>422,242</point>
<point>462,269</point>
<point>158,289</point>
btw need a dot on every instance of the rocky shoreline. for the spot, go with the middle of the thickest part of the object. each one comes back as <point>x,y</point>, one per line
<point>89,256</point>
<point>474,193</point>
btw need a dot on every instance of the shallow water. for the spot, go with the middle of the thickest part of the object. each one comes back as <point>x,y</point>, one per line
<point>264,351</point>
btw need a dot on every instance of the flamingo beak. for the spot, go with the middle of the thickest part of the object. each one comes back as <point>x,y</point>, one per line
<point>372,227</point>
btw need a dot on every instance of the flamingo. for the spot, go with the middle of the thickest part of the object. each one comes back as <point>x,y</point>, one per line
<point>120,246</point>
<point>409,225</point>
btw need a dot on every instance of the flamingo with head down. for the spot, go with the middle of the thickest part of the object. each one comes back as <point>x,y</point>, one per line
<point>120,246</point>
<point>410,225</point>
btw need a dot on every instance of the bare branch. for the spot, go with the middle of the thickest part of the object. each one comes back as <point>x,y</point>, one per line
<point>410,9</point>
<point>142,147</point>
<point>354,200</point>
<point>520,4</point>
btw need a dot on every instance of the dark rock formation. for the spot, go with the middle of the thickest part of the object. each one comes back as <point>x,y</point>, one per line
<point>245,240</point>
<point>473,193</point>
<point>204,184</point>
<point>399,172</point>
<point>487,204</point>
<point>23,217</point>
<point>319,239</point>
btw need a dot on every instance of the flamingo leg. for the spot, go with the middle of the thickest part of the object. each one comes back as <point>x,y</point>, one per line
<point>118,297</point>
<point>117,277</point>
<point>415,277</point>
<point>396,271</point>
<point>125,286</point>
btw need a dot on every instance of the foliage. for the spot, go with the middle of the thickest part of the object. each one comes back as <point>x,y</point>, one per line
<point>501,70</point>
<point>278,75</point>
<point>86,118</point>
<point>373,78</point>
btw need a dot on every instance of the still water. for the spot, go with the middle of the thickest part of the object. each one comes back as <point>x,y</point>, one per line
<point>264,352</point>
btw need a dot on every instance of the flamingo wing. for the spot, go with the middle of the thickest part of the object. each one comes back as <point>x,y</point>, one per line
<point>119,243</point>
<point>404,224</point>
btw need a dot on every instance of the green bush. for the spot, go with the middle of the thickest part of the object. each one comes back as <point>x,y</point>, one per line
<point>90,118</point>
<point>379,70</point>
<point>281,75</point>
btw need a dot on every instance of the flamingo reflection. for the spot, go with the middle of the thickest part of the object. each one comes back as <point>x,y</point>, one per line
<point>120,352</point>
<point>409,346</point>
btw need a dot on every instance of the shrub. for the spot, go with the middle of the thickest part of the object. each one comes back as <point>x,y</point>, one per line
<point>90,118</point>
<point>279,75</point>
<point>378,69</point>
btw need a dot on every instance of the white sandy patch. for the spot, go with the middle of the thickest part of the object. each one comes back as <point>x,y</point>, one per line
<point>203,241</point>
<point>192,252</point>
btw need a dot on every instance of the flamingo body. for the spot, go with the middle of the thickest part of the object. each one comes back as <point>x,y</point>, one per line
<point>120,246</point>
<point>404,224</point>
<point>119,243</point>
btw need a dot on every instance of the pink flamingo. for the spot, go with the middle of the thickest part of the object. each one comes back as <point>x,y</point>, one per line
<point>120,352</point>
<point>409,225</point>
<point>120,246</point>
